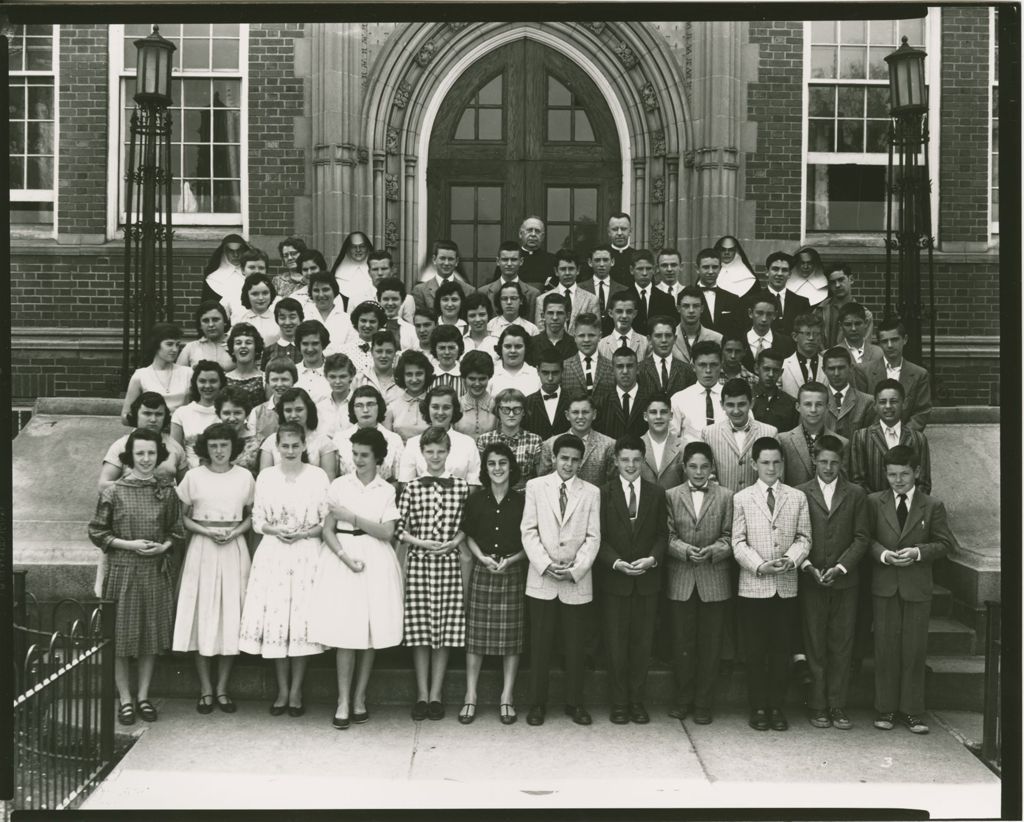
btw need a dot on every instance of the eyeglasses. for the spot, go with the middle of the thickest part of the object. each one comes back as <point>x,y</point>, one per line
<point>514,410</point>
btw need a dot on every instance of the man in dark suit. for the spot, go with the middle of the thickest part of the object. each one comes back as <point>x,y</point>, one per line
<point>849,410</point>
<point>771,404</point>
<point>788,306</point>
<point>622,410</point>
<point>601,285</point>
<point>908,532</point>
<point>650,301</point>
<point>620,230</point>
<point>828,584</point>
<point>446,261</point>
<point>722,310</point>
<point>916,381</point>
<point>510,263</point>
<point>634,537</point>
<point>761,313</point>
<point>545,409</point>
<point>661,371</point>
<point>538,263</point>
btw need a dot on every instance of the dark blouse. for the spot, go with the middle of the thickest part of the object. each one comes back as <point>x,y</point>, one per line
<point>495,527</point>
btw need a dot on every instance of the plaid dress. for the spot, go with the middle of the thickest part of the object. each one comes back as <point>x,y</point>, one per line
<point>434,610</point>
<point>525,447</point>
<point>143,587</point>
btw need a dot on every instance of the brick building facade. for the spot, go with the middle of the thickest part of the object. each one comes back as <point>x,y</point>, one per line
<point>718,127</point>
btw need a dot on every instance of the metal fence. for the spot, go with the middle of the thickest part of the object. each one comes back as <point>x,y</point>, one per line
<point>991,738</point>
<point>19,419</point>
<point>64,704</point>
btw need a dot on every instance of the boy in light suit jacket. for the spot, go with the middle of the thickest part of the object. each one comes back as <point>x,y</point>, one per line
<point>561,535</point>
<point>908,532</point>
<point>771,537</point>
<point>700,583</point>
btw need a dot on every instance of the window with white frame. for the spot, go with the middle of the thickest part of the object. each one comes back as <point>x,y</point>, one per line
<point>994,127</point>
<point>208,118</point>
<point>848,120</point>
<point>32,106</point>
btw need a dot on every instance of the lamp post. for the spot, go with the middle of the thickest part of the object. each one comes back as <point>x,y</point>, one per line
<point>909,197</point>
<point>148,275</point>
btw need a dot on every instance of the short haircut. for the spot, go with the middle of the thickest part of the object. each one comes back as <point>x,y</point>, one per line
<point>844,267</point>
<point>733,337</point>
<point>256,279</point>
<point>603,247</point>
<point>246,330</point>
<point>772,354</point>
<point>157,334</point>
<point>890,384</point>
<point>282,365</point>
<point>778,255</point>
<point>670,252</point>
<point>512,330</point>
<point>689,291</point>
<point>391,284</point>
<point>145,435</point>
<point>555,298</point>
<point>588,319</point>
<point>856,309</point>
<point>828,442</point>
<point>765,444</point>
<point>424,311</point>
<point>205,307</point>
<point>641,254</point>
<point>515,472</point>
<point>807,321</point>
<point>339,362</point>
<point>510,245</point>
<point>812,387</point>
<point>372,438</point>
<point>707,253</point>
<point>447,333</point>
<point>901,455</point>
<point>761,295</point>
<point>412,357</point>
<point>519,291</point>
<point>234,394</point>
<point>630,442</point>
<point>252,255</point>
<point>550,356</point>
<point>660,319</point>
<point>477,300</point>
<point>837,352</point>
<point>322,278</point>
<point>737,387</point>
<point>152,400</point>
<point>705,347</point>
<point>290,428</point>
<point>316,328</point>
<point>509,395</point>
<point>314,255</point>
<point>295,393</point>
<point>443,245</point>
<point>664,399</point>
<point>624,296</point>
<point>379,254</point>
<point>477,362</point>
<point>893,323</point>
<point>697,448</point>
<point>288,304</point>
<point>441,391</point>
<point>568,440</point>
<point>435,435</point>
<point>620,215</point>
<point>199,368</point>
<point>358,394</point>
<point>580,396</point>
<point>218,431</point>
<point>295,242</point>
<point>368,307</point>
<point>624,351</point>
<point>383,337</point>
<point>565,255</point>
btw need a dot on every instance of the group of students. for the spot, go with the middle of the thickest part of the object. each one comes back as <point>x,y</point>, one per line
<point>430,483</point>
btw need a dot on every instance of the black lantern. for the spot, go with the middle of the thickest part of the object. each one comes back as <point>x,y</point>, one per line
<point>907,92</point>
<point>153,69</point>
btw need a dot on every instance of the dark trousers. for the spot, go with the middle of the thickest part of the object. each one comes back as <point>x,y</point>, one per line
<point>697,631</point>
<point>546,617</point>
<point>862,641</point>
<point>901,645</point>
<point>829,616</point>
<point>628,635</point>
<point>766,633</point>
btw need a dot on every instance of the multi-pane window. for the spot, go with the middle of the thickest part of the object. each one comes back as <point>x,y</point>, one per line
<point>32,146</point>
<point>482,118</point>
<point>848,120</point>
<point>207,118</point>
<point>567,120</point>
<point>994,51</point>
<point>572,219</point>
<point>475,219</point>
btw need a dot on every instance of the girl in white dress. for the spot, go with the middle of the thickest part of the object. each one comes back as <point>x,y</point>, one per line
<point>296,406</point>
<point>216,499</point>
<point>189,421</point>
<point>289,508</point>
<point>366,411</point>
<point>357,596</point>
<point>162,375</point>
<point>212,324</point>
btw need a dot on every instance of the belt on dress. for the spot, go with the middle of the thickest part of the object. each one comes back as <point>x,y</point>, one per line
<point>217,522</point>
<point>356,533</point>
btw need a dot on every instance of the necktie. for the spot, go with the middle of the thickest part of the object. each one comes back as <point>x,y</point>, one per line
<point>568,300</point>
<point>890,434</point>
<point>590,373</point>
<point>563,498</point>
<point>771,500</point>
<point>839,399</point>
<point>600,298</point>
<point>760,346</point>
<point>625,341</point>
<point>364,347</point>
<point>808,367</point>
<point>632,501</point>
<point>625,405</point>
<point>709,407</point>
<point>695,490</point>
<point>643,300</point>
<point>901,511</point>
<point>444,482</point>
<point>664,374</point>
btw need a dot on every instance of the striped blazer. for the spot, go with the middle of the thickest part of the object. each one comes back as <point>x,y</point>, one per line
<point>867,450</point>
<point>713,526</point>
<point>760,536</point>
<point>799,462</point>
<point>733,467</point>
<point>917,383</point>
<point>671,473</point>
<point>857,411</point>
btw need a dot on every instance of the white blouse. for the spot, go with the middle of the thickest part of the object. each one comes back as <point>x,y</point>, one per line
<point>387,469</point>
<point>193,420</point>
<point>463,459</point>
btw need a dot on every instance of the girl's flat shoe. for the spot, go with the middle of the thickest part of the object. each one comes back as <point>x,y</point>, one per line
<point>341,724</point>
<point>147,710</point>
<point>203,706</point>
<point>294,710</point>
<point>508,714</point>
<point>467,714</point>
<point>278,710</point>
<point>360,718</point>
<point>226,704</point>
<point>126,713</point>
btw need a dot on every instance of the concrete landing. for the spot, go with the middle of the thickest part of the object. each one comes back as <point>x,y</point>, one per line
<point>189,761</point>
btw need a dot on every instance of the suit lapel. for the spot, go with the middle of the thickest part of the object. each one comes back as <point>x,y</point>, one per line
<point>889,512</point>
<point>759,501</point>
<point>574,500</point>
<point>913,514</point>
<point>698,518</point>
<point>879,436</point>
<point>649,454</point>
<point>819,498</point>
<point>840,494</point>
<point>671,449</point>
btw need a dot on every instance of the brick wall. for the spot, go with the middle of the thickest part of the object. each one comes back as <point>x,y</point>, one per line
<point>964,149</point>
<point>276,164</point>
<point>774,102</point>
<point>83,130</point>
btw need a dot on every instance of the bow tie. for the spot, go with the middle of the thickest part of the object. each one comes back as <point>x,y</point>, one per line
<point>745,429</point>
<point>444,482</point>
<point>695,490</point>
<point>707,288</point>
<point>553,396</point>
<point>364,347</point>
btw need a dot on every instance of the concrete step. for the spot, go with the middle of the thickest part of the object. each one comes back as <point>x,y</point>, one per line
<point>949,637</point>
<point>942,601</point>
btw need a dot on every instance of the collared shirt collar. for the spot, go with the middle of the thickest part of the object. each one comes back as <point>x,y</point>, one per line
<point>626,483</point>
<point>745,428</point>
<point>898,428</point>
<point>752,337</point>
<point>621,393</point>
<point>763,487</point>
<point>910,496</point>
<point>830,487</point>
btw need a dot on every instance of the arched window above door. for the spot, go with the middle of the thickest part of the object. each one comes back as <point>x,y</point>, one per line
<point>483,118</point>
<point>567,120</point>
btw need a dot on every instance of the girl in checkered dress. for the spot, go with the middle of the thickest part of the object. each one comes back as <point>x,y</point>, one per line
<point>435,619</point>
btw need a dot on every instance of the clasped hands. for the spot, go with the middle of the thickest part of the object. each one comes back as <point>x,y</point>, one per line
<point>904,556</point>
<point>635,568</point>
<point>826,577</point>
<point>496,566</point>
<point>776,566</point>
<point>560,569</point>
<point>221,535</point>
<point>147,547</point>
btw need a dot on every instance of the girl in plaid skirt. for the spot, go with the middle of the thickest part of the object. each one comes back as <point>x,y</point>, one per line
<point>435,620</point>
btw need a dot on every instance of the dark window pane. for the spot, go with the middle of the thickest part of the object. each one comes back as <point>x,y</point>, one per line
<point>878,101</point>
<point>40,138</point>
<point>488,238</point>
<point>850,101</point>
<point>995,207</point>
<point>463,202</point>
<point>197,126</point>
<point>195,54</point>
<point>226,161</point>
<point>913,30</point>
<point>168,30</point>
<point>488,204</point>
<point>39,172</point>
<point>845,198</point>
<point>40,101</point>
<point>878,135</point>
<point>853,31</point>
<point>995,135</point>
<point>558,125</point>
<point>851,135</point>
<point>462,235</point>
<point>821,136</point>
<point>15,54</point>
<point>225,30</point>
<point>558,205</point>
<point>823,61</point>
<point>38,54</point>
<point>197,160</point>
<point>16,138</point>
<point>197,93</point>
<point>883,32</point>
<point>31,213</point>
<point>851,62</point>
<point>823,31</point>
<point>822,101</point>
<point>558,95</point>
<point>175,90</point>
<point>16,172</point>
<point>225,54</point>
<point>464,130</point>
<point>995,102</point>
<point>39,31</point>
<point>175,127</point>
<point>175,160</point>
<point>227,125</point>
<point>490,94</point>
<point>584,204</point>
<point>878,69</point>
<point>196,29</point>
<point>227,196</point>
<point>136,30</point>
<point>489,124</point>
<point>16,102</point>
<point>227,93</point>
<point>584,133</point>
<point>196,195</point>
<point>130,58</point>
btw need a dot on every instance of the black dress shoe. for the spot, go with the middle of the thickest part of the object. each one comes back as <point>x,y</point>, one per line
<point>679,711</point>
<point>435,710</point>
<point>578,714</point>
<point>777,720</point>
<point>360,718</point>
<point>759,720</point>
<point>278,710</point>
<point>419,711</point>
<point>619,715</point>
<point>535,715</point>
<point>341,724</point>
<point>702,716</point>
<point>294,710</point>
<point>638,713</point>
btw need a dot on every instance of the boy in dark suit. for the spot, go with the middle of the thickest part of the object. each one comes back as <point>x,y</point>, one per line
<point>916,381</point>
<point>828,584</point>
<point>908,532</point>
<point>621,411</point>
<point>545,409</point>
<point>634,537</point>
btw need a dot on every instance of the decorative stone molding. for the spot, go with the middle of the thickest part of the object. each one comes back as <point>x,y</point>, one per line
<point>658,190</point>
<point>657,235</point>
<point>457,25</point>
<point>364,54</point>
<point>321,154</point>
<point>649,97</point>
<point>391,234</point>
<point>345,154</point>
<point>362,155</point>
<point>594,26</point>
<point>626,55</point>
<point>392,141</point>
<point>402,94</point>
<point>426,54</point>
<point>658,143</point>
<point>391,187</point>
<point>688,159</point>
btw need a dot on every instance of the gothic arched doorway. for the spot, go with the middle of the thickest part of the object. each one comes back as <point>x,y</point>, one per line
<point>522,131</point>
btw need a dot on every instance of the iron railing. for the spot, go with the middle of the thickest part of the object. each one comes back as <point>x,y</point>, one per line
<point>990,749</point>
<point>64,703</point>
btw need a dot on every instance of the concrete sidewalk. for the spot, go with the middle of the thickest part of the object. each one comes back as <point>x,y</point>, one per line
<point>252,760</point>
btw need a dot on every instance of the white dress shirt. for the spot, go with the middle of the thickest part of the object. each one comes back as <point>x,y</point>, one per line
<point>698,495</point>
<point>709,297</point>
<point>337,323</point>
<point>753,339</point>
<point>689,412</point>
<point>856,353</point>
<point>781,297</point>
<point>672,290</point>
<point>313,381</point>
<point>657,450</point>
<point>828,490</point>
<point>551,405</point>
<point>631,394</point>
<point>892,372</point>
